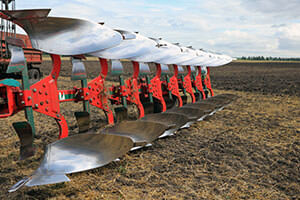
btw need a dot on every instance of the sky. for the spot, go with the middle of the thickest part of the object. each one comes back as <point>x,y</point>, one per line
<point>233,27</point>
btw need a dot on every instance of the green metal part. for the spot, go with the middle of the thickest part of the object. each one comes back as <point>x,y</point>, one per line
<point>15,69</point>
<point>86,105</point>
<point>122,83</point>
<point>170,92</point>
<point>182,79</point>
<point>10,82</point>
<point>150,93</point>
<point>28,109</point>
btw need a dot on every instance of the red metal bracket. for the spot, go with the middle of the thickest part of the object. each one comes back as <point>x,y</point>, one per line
<point>96,92</point>
<point>198,82</point>
<point>208,82</point>
<point>45,98</point>
<point>187,84</point>
<point>173,85</point>
<point>155,87</point>
<point>132,87</point>
<point>11,100</point>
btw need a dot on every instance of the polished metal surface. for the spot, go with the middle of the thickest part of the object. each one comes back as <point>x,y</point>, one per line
<point>207,107</point>
<point>161,50</point>
<point>27,14</point>
<point>139,131</point>
<point>174,121</point>
<point>17,61</point>
<point>216,60</point>
<point>129,47</point>
<point>64,36</point>
<point>181,70</point>
<point>192,113</point>
<point>169,119</point>
<point>83,121</point>
<point>181,55</point>
<point>25,134</point>
<point>116,66</point>
<point>121,114</point>
<point>228,97</point>
<point>144,68</point>
<point>75,154</point>
<point>200,59</point>
<point>78,69</point>
<point>221,101</point>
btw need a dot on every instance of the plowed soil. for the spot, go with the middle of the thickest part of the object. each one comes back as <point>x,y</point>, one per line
<point>249,150</point>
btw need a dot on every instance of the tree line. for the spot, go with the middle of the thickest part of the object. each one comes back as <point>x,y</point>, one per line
<point>267,58</point>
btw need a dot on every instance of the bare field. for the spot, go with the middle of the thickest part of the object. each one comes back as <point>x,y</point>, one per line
<point>250,150</point>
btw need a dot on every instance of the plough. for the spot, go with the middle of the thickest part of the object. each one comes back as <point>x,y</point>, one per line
<point>168,84</point>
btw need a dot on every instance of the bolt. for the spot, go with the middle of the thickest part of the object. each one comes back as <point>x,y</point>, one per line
<point>47,102</point>
<point>82,97</point>
<point>21,94</point>
<point>91,99</point>
<point>44,85</point>
<point>46,109</point>
<point>53,76</point>
<point>40,92</point>
<point>36,105</point>
<point>90,87</point>
<point>57,115</point>
<point>34,89</point>
<point>87,93</point>
<point>29,98</point>
<point>22,102</point>
<point>42,103</point>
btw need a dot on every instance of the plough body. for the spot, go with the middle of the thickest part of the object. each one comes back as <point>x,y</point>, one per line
<point>170,81</point>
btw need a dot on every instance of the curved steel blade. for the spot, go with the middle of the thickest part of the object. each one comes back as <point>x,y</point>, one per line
<point>64,36</point>
<point>193,114</point>
<point>75,154</point>
<point>78,70</point>
<point>219,101</point>
<point>129,47</point>
<point>223,99</point>
<point>121,114</point>
<point>148,107</point>
<point>203,104</point>
<point>83,121</point>
<point>25,134</point>
<point>141,132</point>
<point>173,120</point>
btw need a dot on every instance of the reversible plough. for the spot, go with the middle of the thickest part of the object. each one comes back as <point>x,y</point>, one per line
<point>168,84</point>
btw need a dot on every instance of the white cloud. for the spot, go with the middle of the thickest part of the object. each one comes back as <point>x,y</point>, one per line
<point>237,34</point>
<point>291,31</point>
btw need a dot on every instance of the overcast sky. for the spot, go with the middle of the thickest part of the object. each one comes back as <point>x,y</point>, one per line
<point>233,27</point>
